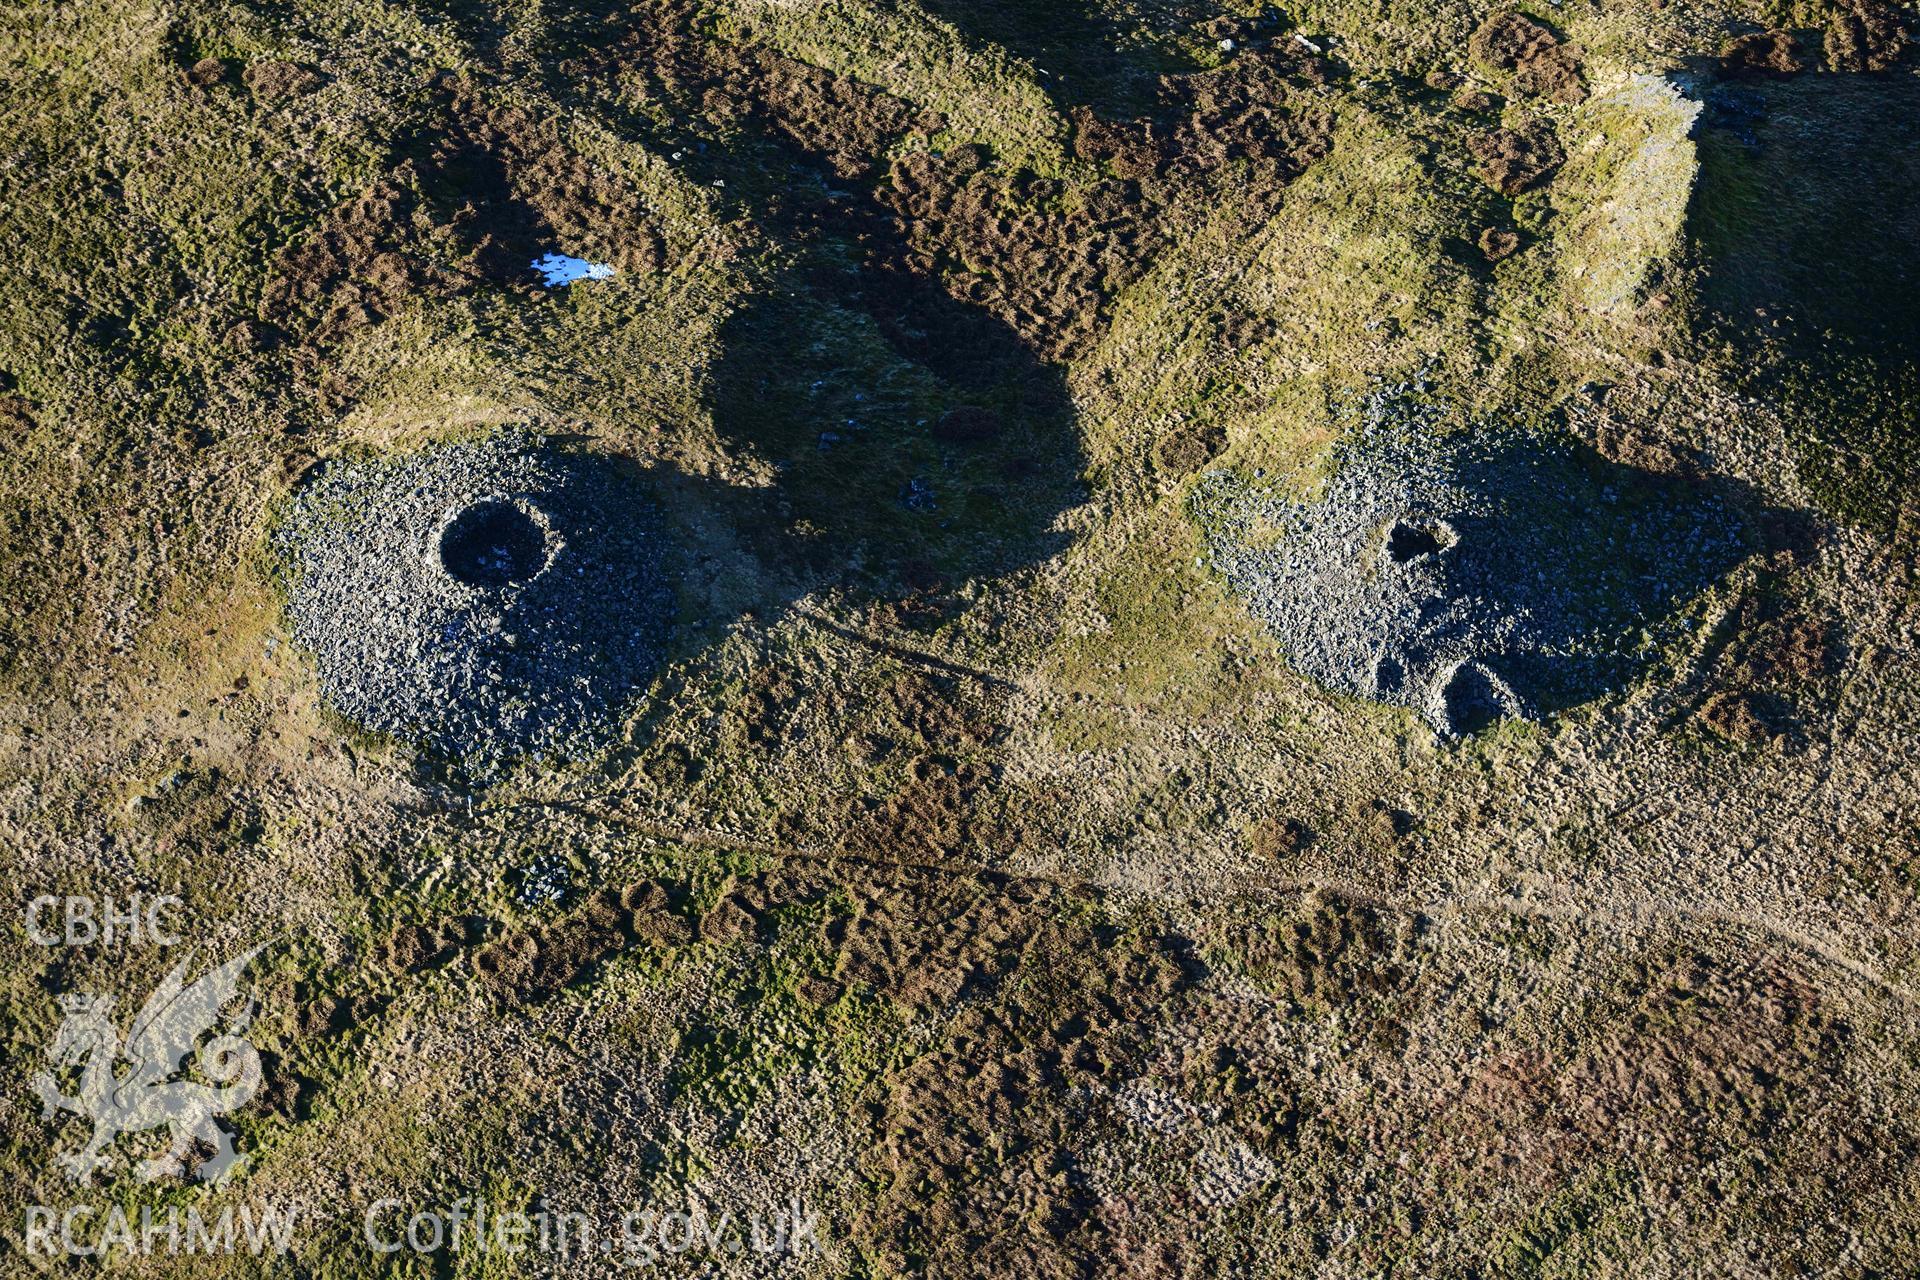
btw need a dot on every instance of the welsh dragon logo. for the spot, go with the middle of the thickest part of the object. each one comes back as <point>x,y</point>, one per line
<point>145,1094</point>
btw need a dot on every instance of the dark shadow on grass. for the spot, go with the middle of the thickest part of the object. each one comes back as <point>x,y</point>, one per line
<point>1086,55</point>
<point>1805,213</point>
<point>917,439</point>
<point>917,442</point>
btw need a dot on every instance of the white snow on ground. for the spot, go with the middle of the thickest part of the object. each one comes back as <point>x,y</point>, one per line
<point>558,269</point>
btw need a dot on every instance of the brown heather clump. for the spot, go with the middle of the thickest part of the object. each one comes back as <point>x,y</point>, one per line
<point>1867,35</point>
<point>1541,66</point>
<point>1762,53</point>
<point>1512,160</point>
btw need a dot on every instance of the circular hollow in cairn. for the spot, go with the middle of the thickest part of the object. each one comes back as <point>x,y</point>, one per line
<point>486,599</point>
<point>1468,576</point>
<point>1410,540</point>
<point>1473,698</point>
<point>492,543</point>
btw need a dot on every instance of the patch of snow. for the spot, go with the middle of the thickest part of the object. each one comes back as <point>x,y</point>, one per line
<point>557,269</point>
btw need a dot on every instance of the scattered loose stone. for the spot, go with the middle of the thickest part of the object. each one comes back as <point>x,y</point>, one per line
<point>482,599</point>
<point>917,495</point>
<point>1472,577</point>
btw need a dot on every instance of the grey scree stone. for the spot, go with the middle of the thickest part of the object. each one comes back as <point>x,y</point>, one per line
<point>1469,576</point>
<point>484,599</point>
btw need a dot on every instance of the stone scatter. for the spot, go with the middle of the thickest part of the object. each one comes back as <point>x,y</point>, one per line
<point>482,599</point>
<point>1472,576</point>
